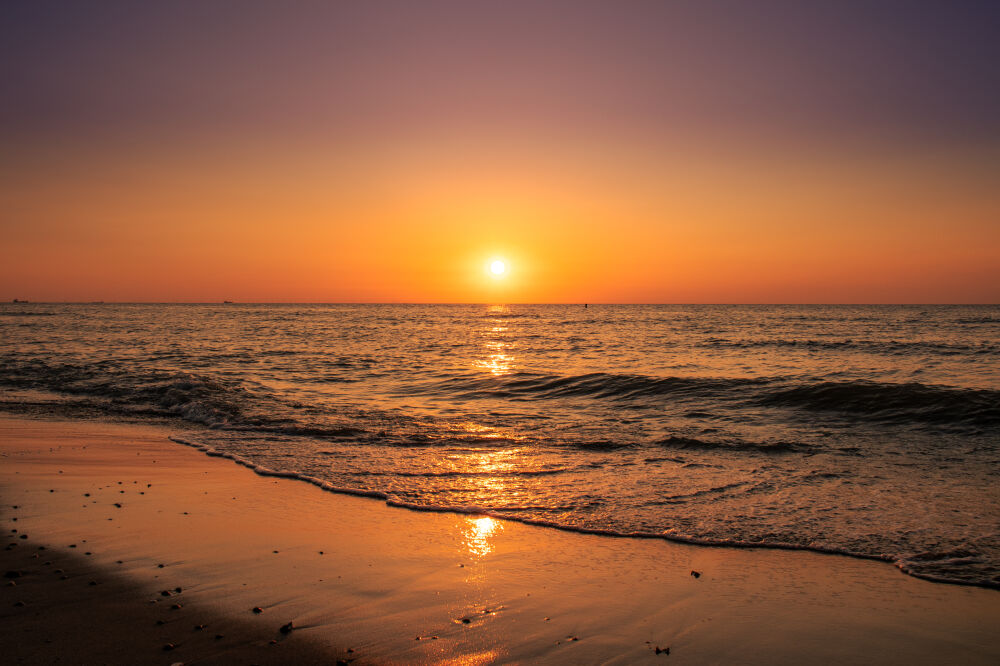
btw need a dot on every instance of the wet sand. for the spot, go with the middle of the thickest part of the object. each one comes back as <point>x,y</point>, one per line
<point>399,586</point>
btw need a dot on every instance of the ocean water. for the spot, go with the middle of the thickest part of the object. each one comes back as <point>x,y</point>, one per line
<point>867,430</point>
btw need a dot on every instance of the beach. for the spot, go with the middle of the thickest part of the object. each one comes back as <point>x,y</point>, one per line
<point>126,514</point>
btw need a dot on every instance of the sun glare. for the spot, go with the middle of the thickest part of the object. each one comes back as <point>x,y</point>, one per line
<point>498,268</point>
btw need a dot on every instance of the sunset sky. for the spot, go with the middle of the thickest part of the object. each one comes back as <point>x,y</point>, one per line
<point>606,151</point>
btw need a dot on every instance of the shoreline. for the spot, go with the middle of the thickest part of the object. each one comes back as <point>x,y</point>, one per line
<point>477,511</point>
<point>488,590</point>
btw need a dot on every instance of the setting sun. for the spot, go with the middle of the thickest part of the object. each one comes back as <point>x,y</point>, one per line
<point>498,268</point>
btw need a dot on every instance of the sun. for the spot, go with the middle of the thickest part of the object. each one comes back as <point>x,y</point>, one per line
<point>498,267</point>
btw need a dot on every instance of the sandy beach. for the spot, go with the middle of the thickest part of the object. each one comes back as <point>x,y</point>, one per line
<point>124,547</point>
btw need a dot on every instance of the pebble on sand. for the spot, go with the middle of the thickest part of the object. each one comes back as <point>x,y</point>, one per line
<point>660,650</point>
<point>287,628</point>
<point>696,574</point>
<point>258,610</point>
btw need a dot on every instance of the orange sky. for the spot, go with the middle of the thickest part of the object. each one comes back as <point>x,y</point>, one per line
<point>584,203</point>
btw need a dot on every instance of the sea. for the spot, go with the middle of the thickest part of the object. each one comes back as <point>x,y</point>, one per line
<point>872,431</point>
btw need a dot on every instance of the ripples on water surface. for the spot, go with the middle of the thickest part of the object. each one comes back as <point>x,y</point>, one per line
<point>872,430</point>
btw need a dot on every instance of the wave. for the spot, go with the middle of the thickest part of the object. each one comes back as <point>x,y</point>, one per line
<point>874,401</point>
<point>978,320</point>
<point>680,497</point>
<point>910,565</point>
<point>208,400</point>
<point>674,442</point>
<point>460,475</point>
<point>222,402</point>
<point>532,386</point>
<point>890,347</point>
<point>25,313</point>
<point>894,403</point>
<point>508,315</point>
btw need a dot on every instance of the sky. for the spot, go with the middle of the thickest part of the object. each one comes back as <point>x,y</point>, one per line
<point>630,151</point>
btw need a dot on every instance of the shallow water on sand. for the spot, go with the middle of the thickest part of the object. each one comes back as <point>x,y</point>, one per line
<point>871,430</point>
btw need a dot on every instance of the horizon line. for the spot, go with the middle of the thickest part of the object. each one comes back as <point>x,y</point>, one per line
<point>747,303</point>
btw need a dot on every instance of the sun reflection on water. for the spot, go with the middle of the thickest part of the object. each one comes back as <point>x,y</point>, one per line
<point>478,534</point>
<point>498,358</point>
